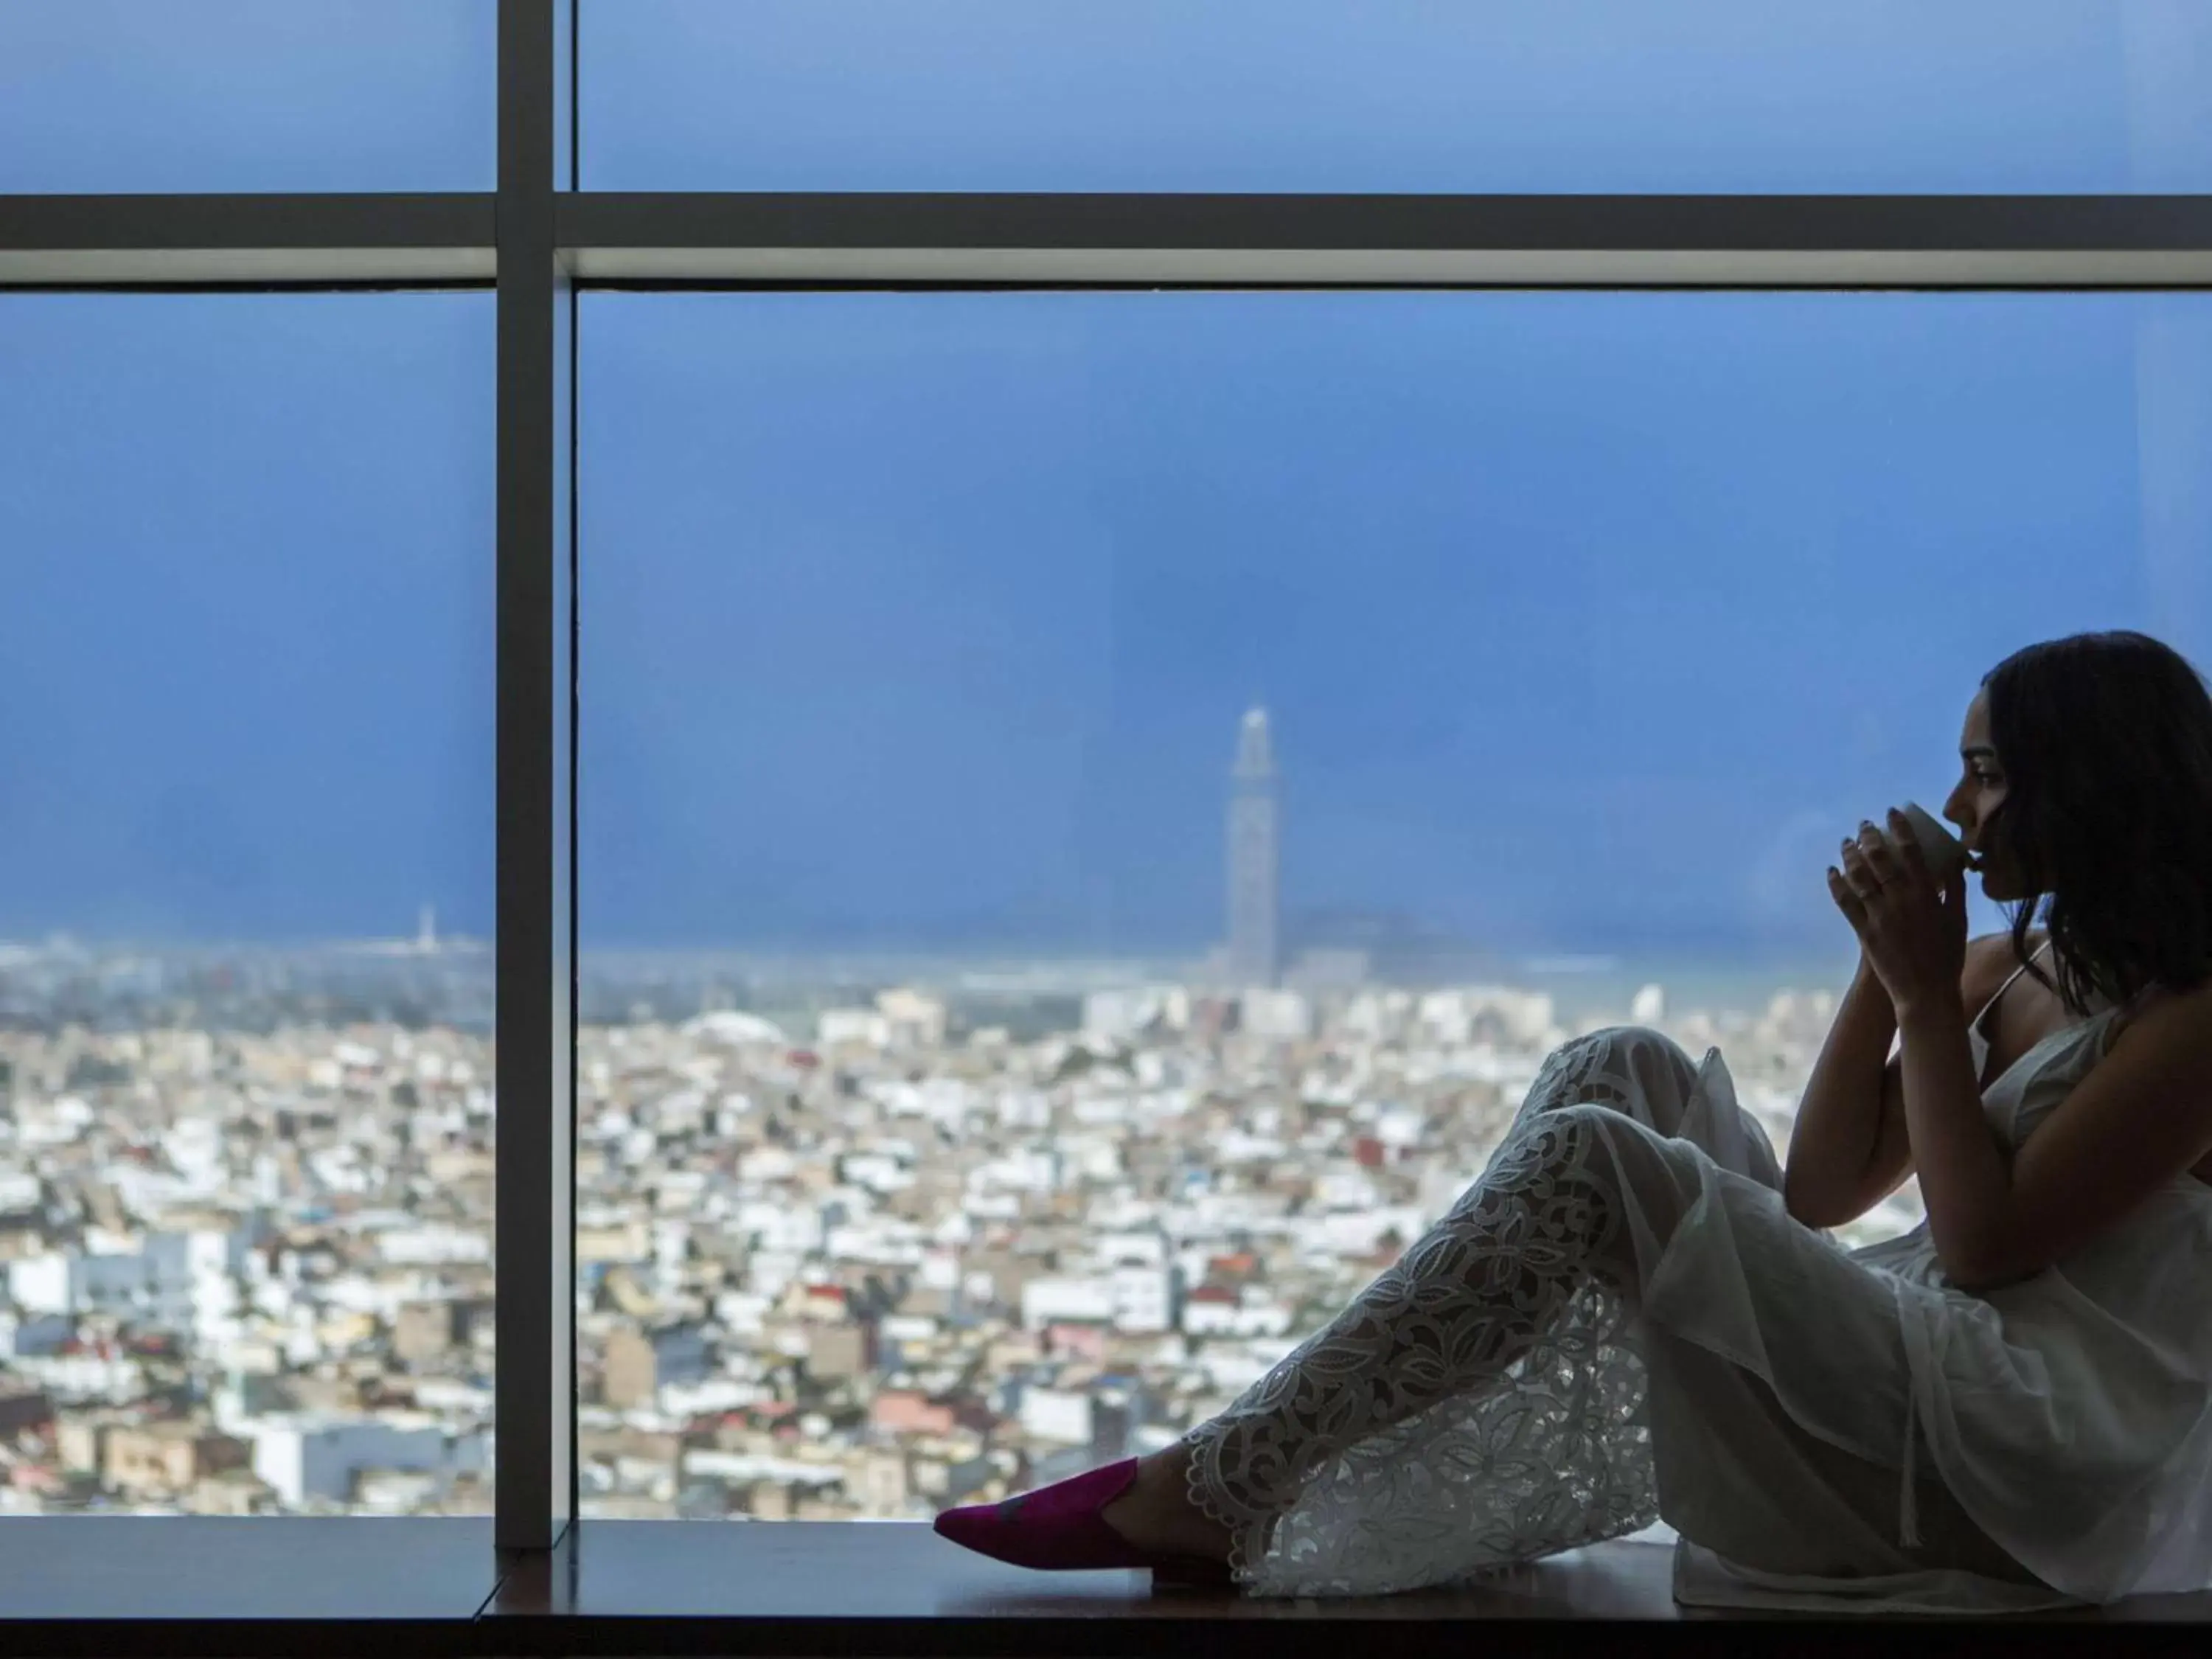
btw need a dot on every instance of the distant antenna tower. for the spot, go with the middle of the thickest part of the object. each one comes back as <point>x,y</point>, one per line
<point>426,930</point>
<point>1254,825</point>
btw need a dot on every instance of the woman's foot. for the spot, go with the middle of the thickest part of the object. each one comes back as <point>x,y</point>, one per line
<point>1130,1514</point>
<point>1155,1513</point>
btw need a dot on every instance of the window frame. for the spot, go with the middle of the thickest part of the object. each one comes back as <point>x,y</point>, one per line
<point>537,240</point>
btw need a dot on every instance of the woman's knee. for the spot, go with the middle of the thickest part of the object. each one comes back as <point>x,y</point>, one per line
<point>1653,1059</point>
<point>1640,1039</point>
<point>1609,1065</point>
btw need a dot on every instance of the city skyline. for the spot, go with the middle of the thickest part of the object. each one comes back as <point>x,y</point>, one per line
<point>249,1253</point>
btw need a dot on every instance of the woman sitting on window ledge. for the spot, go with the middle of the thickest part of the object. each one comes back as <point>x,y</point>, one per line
<point>1635,1313</point>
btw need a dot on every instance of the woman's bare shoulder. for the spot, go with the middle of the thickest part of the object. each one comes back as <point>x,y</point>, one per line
<point>1990,961</point>
<point>2163,1007</point>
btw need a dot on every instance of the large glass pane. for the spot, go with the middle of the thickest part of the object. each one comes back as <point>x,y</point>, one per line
<point>245,975</point>
<point>1479,95</point>
<point>1096,806</point>
<point>154,96</point>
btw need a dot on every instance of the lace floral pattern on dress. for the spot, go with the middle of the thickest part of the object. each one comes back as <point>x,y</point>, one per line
<point>1480,1404</point>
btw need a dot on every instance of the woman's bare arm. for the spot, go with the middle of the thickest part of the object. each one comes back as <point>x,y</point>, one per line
<point>1849,1148</point>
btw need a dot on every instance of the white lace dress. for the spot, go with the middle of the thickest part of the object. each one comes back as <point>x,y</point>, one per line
<point>1619,1322</point>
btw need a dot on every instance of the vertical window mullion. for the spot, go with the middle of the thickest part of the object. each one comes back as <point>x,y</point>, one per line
<point>534,1488</point>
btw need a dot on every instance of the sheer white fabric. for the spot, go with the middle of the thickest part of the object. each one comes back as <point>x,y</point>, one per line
<point>1619,1321</point>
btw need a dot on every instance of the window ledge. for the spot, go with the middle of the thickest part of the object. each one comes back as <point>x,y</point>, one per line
<point>113,1585</point>
<point>117,1584</point>
<point>791,1588</point>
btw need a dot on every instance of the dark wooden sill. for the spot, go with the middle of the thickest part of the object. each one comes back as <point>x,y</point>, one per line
<point>120,1586</point>
<point>880,1591</point>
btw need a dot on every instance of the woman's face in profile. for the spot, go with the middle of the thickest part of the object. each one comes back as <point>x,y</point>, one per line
<point>1974,802</point>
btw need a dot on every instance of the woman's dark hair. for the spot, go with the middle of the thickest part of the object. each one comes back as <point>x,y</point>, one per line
<point>2106,743</point>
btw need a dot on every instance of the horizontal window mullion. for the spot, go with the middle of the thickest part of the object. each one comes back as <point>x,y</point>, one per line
<point>1258,222</point>
<point>1408,240</point>
<point>246,239</point>
<point>1139,268</point>
<point>1559,240</point>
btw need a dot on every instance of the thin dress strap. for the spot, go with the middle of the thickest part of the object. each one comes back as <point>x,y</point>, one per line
<point>1975,1024</point>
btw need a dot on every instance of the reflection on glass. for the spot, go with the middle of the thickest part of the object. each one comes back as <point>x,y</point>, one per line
<point>152,95</point>
<point>1696,95</point>
<point>1095,805</point>
<point>246,982</point>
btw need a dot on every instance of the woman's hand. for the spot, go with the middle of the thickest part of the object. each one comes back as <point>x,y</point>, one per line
<point>1912,932</point>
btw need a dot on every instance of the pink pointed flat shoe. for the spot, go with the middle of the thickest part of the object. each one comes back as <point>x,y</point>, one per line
<point>1062,1528</point>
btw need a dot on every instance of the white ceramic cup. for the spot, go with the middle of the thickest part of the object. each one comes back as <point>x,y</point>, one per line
<point>1942,851</point>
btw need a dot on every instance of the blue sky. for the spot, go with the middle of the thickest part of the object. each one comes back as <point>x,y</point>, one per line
<point>1130,94</point>
<point>1588,621</point>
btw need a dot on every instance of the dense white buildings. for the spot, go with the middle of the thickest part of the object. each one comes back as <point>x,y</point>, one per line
<point>864,1260</point>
